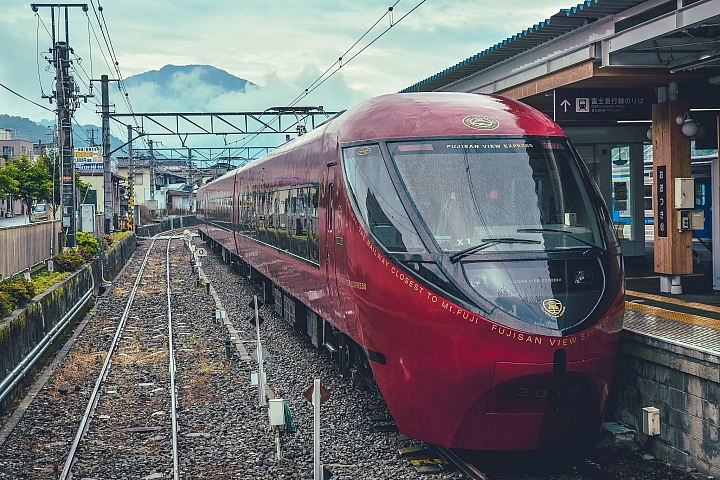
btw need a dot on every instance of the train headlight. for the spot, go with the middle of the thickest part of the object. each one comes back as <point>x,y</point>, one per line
<point>583,277</point>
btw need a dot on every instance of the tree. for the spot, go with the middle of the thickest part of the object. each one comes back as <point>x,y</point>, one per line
<point>8,183</point>
<point>34,180</point>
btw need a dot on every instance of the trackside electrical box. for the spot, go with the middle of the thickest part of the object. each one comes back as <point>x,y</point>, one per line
<point>684,193</point>
<point>276,411</point>
<point>651,421</point>
<point>691,220</point>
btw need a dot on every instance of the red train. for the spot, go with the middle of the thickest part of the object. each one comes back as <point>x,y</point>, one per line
<point>450,248</point>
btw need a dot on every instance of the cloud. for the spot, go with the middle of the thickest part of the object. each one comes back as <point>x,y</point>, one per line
<point>279,45</point>
<point>190,92</point>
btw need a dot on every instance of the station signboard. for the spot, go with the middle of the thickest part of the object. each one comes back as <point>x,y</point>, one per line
<point>603,104</point>
<point>88,158</point>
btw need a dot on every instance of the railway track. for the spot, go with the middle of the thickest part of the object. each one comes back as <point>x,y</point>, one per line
<point>94,447</point>
<point>586,468</point>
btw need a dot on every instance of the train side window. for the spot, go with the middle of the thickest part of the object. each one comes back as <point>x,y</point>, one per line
<point>313,227</point>
<point>378,202</point>
<point>283,237</point>
<point>253,214</point>
<point>298,229</point>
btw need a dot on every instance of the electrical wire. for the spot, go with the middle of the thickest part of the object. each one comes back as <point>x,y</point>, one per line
<point>339,60</point>
<point>37,58</point>
<point>339,63</point>
<point>97,40</point>
<point>24,98</point>
<point>311,89</point>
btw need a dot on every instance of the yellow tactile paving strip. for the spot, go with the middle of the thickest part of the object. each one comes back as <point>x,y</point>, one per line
<point>673,315</point>
<point>674,301</point>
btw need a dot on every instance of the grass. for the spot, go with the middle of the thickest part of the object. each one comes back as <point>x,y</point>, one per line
<point>44,280</point>
<point>120,235</point>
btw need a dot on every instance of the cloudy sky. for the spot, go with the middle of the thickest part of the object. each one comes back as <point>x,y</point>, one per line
<point>282,46</point>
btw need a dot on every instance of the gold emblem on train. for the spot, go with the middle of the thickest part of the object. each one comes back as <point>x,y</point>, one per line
<point>363,151</point>
<point>553,307</point>
<point>481,122</point>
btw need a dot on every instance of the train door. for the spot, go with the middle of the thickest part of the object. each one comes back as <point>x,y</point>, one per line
<point>235,212</point>
<point>703,201</point>
<point>329,188</point>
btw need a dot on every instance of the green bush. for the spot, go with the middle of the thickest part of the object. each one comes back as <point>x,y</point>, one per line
<point>86,242</point>
<point>107,239</point>
<point>6,305</point>
<point>68,260</point>
<point>14,292</point>
<point>19,289</point>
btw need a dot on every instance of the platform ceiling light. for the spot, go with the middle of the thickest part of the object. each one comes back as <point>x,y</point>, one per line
<point>689,127</point>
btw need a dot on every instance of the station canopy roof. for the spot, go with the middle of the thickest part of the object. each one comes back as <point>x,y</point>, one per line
<point>676,36</point>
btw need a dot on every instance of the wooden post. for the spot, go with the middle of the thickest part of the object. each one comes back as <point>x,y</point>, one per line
<point>671,156</point>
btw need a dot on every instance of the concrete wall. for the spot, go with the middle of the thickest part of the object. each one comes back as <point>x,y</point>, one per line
<point>169,223</point>
<point>26,326</point>
<point>685,385</point>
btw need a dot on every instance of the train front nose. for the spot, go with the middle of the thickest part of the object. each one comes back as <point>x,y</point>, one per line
<point>534,406</point>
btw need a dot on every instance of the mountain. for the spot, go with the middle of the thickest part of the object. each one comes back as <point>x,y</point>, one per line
<point>168,77</point>
<point>26,129</point>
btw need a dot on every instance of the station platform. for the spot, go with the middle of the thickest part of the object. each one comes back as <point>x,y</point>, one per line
<point>698,305</point>
<point>670,360</point>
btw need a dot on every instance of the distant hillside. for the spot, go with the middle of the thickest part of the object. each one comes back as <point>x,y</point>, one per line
<point>206,74</point>
<point>26,129</point>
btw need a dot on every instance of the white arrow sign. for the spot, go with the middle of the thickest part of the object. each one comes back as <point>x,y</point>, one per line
<point>565,104</point>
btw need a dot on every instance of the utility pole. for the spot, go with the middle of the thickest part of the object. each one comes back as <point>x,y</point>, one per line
<point>152,171</point>
<point>67,170</point>
<point>190,179</point>
<point>107,174</point>
<point>67,102</point>
<point>91,134</point>
<point>131,178</point>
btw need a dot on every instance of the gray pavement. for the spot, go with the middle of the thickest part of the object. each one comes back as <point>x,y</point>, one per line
<point>14,221</point>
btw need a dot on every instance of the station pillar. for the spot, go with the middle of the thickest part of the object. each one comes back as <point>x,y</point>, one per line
<point>671,159</point>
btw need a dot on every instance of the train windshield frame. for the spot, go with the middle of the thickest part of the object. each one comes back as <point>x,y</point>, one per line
<point>498,195</point>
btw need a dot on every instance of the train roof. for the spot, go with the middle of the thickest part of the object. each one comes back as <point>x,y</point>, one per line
<point>423,115</point>
<point>441,114</point>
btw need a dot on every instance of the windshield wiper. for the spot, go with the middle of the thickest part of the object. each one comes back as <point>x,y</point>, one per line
<point>555,230</point>
<point>485,243</point>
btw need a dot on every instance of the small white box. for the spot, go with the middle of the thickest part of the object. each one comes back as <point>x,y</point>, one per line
<point>651,421</point>
<point>276,412</point>
<point>684,193</point>
<point>697,220</point>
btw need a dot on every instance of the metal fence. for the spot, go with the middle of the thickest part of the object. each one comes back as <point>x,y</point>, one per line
<point>23,246</point>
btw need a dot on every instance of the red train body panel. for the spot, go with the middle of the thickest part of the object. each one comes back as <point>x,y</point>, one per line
<point>457,366</point>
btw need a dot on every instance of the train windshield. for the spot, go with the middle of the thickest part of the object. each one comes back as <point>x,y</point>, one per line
<point>498,195</point>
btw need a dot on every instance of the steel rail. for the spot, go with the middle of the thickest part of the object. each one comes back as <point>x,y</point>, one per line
<point>94,396</point>
<point>23,368</point>
<point>173,393</point>
<point>464,467</point>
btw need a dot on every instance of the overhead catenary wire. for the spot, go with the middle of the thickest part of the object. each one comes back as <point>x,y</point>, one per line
<point>392,24</point>
<point>341,62</point>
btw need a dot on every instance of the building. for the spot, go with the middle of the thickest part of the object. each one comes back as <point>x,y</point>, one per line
<point>11,147</point>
